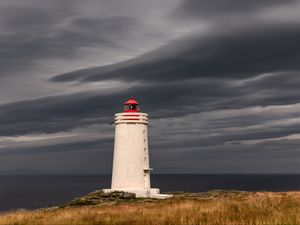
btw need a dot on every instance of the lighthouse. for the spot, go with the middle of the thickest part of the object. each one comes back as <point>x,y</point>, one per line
<point>131,169</point>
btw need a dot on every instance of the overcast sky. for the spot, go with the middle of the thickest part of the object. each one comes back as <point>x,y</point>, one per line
<point>219,79</point>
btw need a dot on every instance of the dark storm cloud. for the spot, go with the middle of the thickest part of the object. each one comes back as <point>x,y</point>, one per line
<point>109,26</point>
<point>277,157</point>
<point>196,78</point>
<point>161,100</point>
<point>36,34</point>
<point>218,99</point>
<point>237,137</point>
<point>58,113</point>
<point>22,18</point>
<point>103,144</point>
<point>282,80</point>
<point>219,9</point>
<point>239,54</point>
<point>53,114</point>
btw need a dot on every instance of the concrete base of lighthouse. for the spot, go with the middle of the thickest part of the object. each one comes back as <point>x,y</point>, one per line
<point>142,193</point>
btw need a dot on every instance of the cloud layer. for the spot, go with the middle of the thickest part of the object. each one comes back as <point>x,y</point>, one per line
<point>219,80</point>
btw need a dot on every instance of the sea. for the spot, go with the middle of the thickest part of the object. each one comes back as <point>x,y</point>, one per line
<point>38,191</point>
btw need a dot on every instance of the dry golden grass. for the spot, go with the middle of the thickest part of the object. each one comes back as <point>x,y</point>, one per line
<point>212,208</point>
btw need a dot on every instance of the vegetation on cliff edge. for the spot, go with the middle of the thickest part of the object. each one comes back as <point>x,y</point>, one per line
<point>210,208</point>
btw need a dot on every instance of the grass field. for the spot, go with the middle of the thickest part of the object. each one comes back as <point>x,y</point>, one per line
<point>211,208</point>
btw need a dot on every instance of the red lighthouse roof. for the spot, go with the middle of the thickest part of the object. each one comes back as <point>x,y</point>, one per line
<point>131,105</point>
<point>131,101</point>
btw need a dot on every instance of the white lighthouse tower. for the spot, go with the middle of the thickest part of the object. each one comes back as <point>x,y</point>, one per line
<point>131,170</point>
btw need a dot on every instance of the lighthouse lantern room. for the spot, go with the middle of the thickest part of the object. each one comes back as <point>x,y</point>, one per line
<point>131,105</point>
<point>131,171</point>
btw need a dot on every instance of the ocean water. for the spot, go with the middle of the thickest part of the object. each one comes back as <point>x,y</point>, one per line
<point>35,191</point>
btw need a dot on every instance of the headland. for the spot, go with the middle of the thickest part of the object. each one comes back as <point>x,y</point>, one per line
<point>216,207</point>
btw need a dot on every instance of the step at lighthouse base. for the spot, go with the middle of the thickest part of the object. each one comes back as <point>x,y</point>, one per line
<point>142,193</point>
